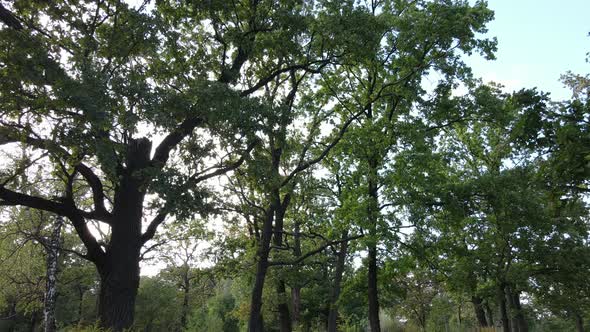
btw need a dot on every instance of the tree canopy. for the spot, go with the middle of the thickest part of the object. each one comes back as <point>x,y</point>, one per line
<point>281,166</point>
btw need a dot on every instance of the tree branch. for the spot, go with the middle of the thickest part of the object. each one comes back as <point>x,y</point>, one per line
<point>313,252</point>
<point>9,135</point>
<point>307,164</point>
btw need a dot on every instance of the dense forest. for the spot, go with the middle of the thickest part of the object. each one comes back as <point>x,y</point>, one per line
<point>292,165</point>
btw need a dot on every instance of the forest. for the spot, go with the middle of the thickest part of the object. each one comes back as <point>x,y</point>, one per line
<point>283,165</point>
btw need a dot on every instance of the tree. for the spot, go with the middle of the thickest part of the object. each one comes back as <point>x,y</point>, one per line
<point>415,38</point>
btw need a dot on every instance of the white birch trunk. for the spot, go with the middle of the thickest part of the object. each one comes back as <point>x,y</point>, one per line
<point>51,283</point>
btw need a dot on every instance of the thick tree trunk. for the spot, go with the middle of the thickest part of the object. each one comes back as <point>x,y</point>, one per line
<point>255,322</point>
<point>336,287</point>
<point>579,322</point>
<point>119,281</point>
<point>51,282</point>
<point>119,271</point>
<point>479,311</point>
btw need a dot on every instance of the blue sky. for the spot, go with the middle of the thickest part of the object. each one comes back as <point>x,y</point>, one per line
<point>537,42</point>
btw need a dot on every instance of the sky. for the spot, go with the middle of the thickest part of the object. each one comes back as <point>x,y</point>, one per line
<point>538,40</point>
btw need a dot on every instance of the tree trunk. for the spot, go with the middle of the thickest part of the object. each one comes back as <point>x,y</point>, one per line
<point>282,307</point>
<point>185,299</point>
<point>51,282</point>
<point>255,322</point>
<point>459,316</point>
<point>520,319</point>
<point>489,313</point>
<point>503,309</point>
<point>336,287</point>
<point>579,322</point>
<point>296,290</point>
<point>80,304</point>
<point>372,290</point>
<point>296,302</point>
<point>119,271</point>
<point>12,317</point>
<point>513,311</point>
<point>33,322</point>
<point>479,312</point>
<point>119,281</point>
<point>373,215</point>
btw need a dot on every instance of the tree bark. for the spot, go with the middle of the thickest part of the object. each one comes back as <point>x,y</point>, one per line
<point>185,299</point>
<point>119,279</point>
<point>119,270</point>
<point>33,321</point>
<point>51,275</point>
<point>255,322</point>
<point>479,311</point>
<point>275,213</point>
<point>372,213</point>
<point>80,304</point>
<point>520,319</point>
<point>503,309</point>
<point>372,290</point>
<point>282,307</point>
<point>336,287</point>
<point>296,290</point>
<point>489,313</point>
<point>579,322</point>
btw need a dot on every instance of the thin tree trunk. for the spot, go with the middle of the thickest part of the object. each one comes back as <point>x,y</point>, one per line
<point>296,290</point>
<point>80,304</point>
<point>185,300</point>
<point>373,211</point>
<point>503,309</point>
<point>479,311</point>
<point>459,317</point>
<point>12,316</point>
<point>255,322</point>
<point>489,313</point>
<point>282,307</point>
<point>336,287</point>
<point>51,275</point>
<point>372,290</point>
<point>513,310</point>
<point>520,318</point>
<point>33,322</point>
<point>579,322</point>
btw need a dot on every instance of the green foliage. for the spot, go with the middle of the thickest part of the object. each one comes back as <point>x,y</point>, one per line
<point>319,109</point>
<point>157,306</point>
<point>218,314</point>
